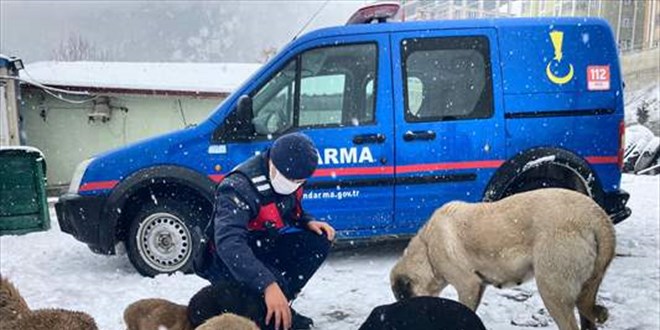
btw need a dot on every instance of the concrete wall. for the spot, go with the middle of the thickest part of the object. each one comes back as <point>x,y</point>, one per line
<point>641,69</point>
<point>63,132</point>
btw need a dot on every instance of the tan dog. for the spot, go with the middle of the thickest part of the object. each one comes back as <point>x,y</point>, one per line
<point>156,314</point>
<point>15,314</point>
<point>228,321</point>
<point>560,237</point>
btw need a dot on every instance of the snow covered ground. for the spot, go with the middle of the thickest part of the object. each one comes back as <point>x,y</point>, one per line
<point>52,269</point>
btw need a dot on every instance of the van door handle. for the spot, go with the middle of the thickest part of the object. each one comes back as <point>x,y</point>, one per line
<point>369,138</point>
<point>419,135</point>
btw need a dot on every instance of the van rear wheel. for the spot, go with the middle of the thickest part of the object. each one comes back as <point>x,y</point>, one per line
<point>160,238</point>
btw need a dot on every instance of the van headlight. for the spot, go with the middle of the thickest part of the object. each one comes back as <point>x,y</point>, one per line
<point>78,175</point>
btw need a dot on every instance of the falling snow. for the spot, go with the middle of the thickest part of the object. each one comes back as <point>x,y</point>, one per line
<point>52,269</point>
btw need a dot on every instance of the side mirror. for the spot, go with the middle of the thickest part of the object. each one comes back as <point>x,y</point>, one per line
<point>244,107</point>
<point>238,124</point>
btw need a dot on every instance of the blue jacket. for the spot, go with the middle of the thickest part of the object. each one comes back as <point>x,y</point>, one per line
<point>247,209</point>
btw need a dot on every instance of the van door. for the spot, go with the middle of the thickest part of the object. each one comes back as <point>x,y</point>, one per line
<point>338,92</point>
<point>449,133</point>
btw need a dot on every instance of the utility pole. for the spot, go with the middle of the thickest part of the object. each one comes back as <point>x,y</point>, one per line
<point>634,25</point>
<point>618,23</point>
<point>9,133</point>
<point>653,16</point>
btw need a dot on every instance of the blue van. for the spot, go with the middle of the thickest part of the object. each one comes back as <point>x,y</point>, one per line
<point>406,116</point>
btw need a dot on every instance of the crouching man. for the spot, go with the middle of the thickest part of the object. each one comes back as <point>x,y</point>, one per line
<point>260,238</point>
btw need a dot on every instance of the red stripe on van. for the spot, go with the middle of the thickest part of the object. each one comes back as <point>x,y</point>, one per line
<point>98,185</point>
<point>449,166</point>
<point>341,171</point>
<point>353,171</point>
<point>603,160</point>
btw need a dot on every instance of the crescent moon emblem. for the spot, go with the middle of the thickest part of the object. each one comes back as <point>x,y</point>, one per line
<point>559,80</point>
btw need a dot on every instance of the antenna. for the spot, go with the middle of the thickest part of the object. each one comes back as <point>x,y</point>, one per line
<point>311,19</point>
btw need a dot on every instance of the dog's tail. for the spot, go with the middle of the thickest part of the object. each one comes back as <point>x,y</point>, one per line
<point>12,304</point>
<point>605,243</point>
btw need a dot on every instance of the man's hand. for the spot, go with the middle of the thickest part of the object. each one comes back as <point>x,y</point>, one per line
<point>278,307</point>
<point>320,227</point>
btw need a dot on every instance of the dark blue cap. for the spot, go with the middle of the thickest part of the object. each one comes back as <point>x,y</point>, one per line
<point>294,155</point>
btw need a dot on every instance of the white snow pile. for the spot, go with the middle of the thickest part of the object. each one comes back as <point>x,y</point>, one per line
<point>52,269</point>
<point>642,151</point>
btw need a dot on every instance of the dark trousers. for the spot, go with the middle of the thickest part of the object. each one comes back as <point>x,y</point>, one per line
<point>292,257</point>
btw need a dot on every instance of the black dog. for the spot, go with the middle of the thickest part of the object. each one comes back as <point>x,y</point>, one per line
<point>213,300</point>
<point>422,313</point>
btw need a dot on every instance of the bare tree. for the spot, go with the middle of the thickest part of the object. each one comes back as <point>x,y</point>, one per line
<point>643,113</point>
<point>77,48</point>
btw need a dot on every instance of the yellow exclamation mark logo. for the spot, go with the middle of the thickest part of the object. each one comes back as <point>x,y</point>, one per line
<point>557,39</point>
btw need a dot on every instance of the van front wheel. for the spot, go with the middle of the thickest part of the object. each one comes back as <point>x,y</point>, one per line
<point>160,238</point>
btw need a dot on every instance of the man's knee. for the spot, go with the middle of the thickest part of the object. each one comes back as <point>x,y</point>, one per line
<point>315,243</point>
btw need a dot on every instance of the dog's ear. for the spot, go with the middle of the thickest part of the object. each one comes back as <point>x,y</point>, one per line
<point>402,287</point>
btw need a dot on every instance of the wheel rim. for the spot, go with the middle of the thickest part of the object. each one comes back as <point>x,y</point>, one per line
<point>163,242</point>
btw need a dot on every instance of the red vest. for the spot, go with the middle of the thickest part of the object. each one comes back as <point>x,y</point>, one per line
<point>269,215</point>
<point>272,206</point>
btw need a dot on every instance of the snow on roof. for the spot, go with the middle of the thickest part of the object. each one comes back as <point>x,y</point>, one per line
<point>185,77</point>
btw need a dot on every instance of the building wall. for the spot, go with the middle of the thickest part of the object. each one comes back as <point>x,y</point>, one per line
<point>66,136</point>
<point>641,69</point>
<point>630,19</point>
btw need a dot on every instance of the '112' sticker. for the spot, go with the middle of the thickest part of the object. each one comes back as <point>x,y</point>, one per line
<point>598,77</point>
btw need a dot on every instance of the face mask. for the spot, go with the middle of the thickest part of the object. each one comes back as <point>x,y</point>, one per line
<point>282,185</point>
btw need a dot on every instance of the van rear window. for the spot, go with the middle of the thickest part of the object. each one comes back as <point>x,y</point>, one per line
<point>447,78</point>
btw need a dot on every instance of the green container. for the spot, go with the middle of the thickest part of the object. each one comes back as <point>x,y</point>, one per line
<point>23,204</point>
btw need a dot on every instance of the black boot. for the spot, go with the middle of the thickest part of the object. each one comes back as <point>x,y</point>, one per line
<point>300,322</point>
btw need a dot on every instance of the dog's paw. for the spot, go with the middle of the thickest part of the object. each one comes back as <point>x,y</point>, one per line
<point>536,320</point>
<point>601,313</point>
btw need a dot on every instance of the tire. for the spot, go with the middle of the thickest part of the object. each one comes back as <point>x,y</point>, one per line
<point>160,238</point>
<point>533,184</point>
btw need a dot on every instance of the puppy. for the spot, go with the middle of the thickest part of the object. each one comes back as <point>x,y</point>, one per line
<point>228,321</point>
<point>15,314</point>
<point>156,314</point>
<point>223,298</point>
<point>560,237</point>
<point>423,313</point>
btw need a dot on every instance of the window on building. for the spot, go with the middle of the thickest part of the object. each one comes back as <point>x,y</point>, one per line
<point>625,44</point>
<point>447,78</point>
<point>625,22</point>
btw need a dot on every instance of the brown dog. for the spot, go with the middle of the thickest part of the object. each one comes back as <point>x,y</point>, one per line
<point>15,314</point>
<point>560,237</point>
<point>154,314</point>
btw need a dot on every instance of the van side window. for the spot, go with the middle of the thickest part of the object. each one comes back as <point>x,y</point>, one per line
<point>330,86</point>
<point>272,104</point>
<point>335,89</point>
<point>447,78</point>
<point>322,99</point>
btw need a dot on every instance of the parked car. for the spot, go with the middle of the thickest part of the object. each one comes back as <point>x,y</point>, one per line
<point>406,116</point>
